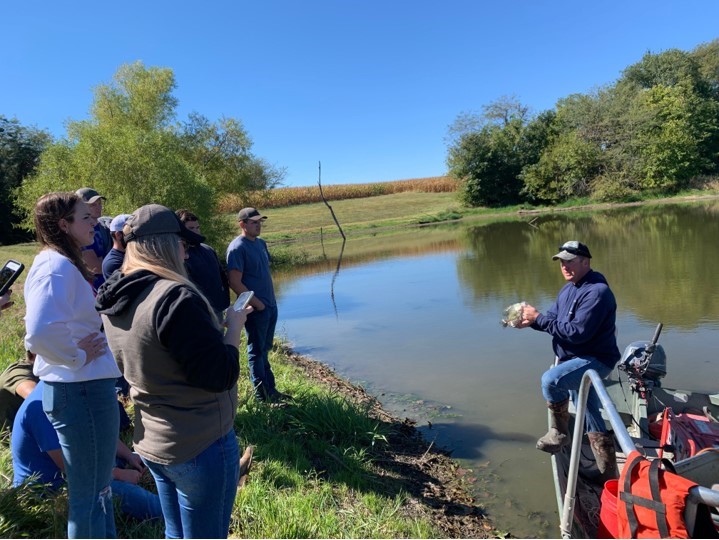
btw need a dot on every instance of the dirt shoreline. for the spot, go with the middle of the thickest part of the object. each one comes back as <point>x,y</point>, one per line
<point>438,487</point>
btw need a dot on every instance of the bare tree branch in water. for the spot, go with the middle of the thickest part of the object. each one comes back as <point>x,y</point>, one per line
<point>344,240</point>
<point>334,277</point>
<point>319,183</point>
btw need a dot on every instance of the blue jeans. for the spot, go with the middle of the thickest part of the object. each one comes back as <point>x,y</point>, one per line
<point>562,382</point>
<point>197,495</point>
<point>260,327</point>
<point>86,419</point>
<point>136,501</point>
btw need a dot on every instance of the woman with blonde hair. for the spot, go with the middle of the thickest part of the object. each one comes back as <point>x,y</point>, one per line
<point>182,370</point>
<point>64,331</point>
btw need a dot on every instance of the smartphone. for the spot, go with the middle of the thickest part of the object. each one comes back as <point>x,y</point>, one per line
<point>9,274</point>
<point>243,300</point>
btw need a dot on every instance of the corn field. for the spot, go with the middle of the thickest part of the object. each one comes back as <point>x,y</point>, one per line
<point>291,196</point>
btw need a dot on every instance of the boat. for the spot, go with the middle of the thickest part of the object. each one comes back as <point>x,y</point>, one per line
<point>643,416</point>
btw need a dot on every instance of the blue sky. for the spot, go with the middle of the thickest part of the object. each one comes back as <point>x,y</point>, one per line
<point>368,87</point>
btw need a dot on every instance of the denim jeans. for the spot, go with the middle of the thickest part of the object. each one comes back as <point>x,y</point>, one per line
<point>136,501</point>
<point>197,495</point>
<point>86,419</point>
<point>260,327</point>
<point>562,382</point>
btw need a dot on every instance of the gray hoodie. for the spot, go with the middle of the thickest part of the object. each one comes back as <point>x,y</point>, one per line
<point>182,376</point>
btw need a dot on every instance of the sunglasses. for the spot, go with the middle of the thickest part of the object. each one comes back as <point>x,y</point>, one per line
<point>573,250</point>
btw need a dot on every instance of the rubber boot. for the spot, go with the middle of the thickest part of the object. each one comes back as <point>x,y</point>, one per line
<point>558,434</point>
<point>604,453</point>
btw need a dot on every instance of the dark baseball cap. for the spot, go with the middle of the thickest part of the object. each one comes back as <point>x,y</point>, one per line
<point>158,219</point>
<point>571,250</point>
<point>249,213</point>
<point>89,195</point>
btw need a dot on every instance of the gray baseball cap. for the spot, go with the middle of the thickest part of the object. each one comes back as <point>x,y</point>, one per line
<point>249,213</point>
<point>571,250</point>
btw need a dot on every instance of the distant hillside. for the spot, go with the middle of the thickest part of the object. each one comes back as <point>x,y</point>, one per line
<point>291,196</point>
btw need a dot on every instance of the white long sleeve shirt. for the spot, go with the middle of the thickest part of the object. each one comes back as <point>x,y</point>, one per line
<point>60,312</point>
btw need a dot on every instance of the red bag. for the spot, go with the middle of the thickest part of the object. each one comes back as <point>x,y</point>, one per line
<point>651,500</point>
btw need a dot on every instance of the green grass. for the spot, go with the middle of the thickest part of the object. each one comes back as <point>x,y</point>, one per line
<point>314,472</point>
<point>356,214</point>
<point>12,327</point>
<point>315,476</point>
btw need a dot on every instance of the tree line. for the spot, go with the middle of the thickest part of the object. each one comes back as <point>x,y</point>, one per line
<point>654,131</point>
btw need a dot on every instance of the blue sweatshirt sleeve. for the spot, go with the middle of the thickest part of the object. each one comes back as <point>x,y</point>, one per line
<point>590,308</point>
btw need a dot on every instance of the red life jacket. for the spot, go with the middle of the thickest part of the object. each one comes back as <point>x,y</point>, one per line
<point>651,500</point>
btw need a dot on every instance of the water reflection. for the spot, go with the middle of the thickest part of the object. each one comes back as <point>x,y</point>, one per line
<point>660,260</point>
<point>415,318</point>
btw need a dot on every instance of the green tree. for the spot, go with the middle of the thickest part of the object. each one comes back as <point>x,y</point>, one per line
<point>221,152</point>
<point>669,68</point>
<point>673,118</point>
<point>668,141</point>
<point>656,129</point>
<point>20,149</point>
<point>565,170</point>
<point>586,154</point>
<point>484,161</point>
<point>134,152</point>
<point>487,152</point>
<point>707,58</point>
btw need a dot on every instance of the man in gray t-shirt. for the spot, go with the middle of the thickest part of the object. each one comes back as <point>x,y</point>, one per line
<point>248,269</point>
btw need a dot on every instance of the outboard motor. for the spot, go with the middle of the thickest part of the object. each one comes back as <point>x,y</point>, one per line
<point>636,361</point>
<point>645,363</point>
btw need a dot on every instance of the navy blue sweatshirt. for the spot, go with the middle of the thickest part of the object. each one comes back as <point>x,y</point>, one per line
<point>582,321</point>
<point>203,268</point>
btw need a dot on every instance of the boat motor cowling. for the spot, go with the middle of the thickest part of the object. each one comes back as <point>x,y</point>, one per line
<point>644,360</point>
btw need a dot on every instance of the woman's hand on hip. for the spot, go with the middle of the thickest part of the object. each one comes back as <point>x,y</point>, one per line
<point>94,346</point>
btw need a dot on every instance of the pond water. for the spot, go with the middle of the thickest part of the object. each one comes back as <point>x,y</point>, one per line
<point>415,318</point>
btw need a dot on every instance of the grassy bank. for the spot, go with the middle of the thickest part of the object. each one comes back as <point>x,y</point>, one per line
<point>325,467</point>
<point>330,465</point>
